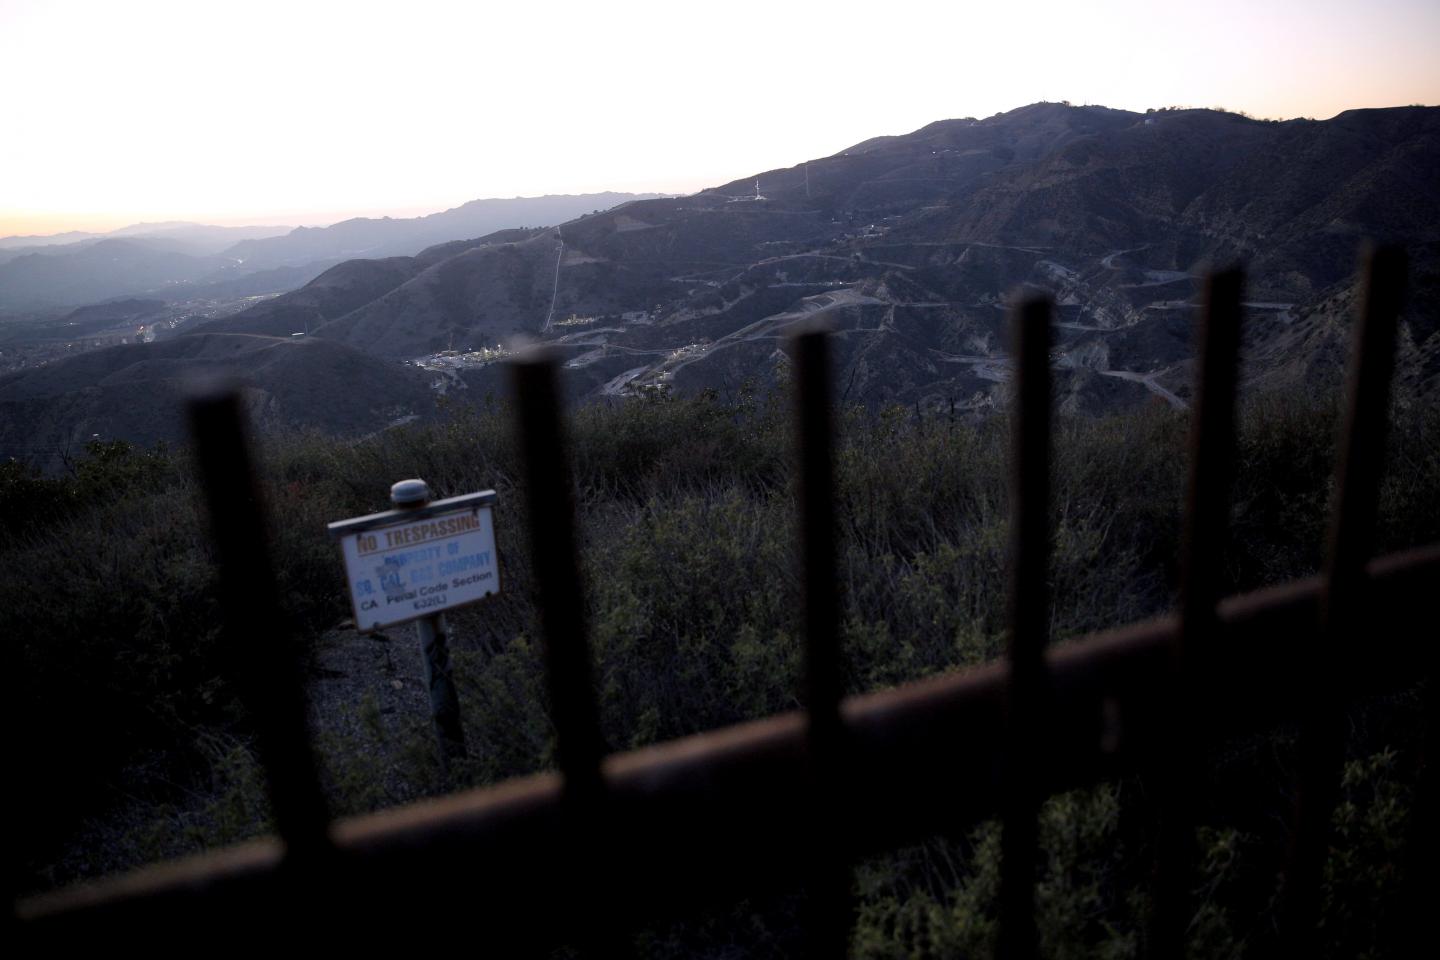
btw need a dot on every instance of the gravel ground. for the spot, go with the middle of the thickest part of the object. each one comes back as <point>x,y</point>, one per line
<point>370,716</point>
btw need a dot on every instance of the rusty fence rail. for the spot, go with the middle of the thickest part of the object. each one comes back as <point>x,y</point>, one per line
<point>609,842</point>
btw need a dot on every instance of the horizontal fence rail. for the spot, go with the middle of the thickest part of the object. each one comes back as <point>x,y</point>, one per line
<point>788,803</point>
<point>723,813</point>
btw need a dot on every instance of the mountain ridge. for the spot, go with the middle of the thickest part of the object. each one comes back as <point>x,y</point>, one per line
<point>1114,212</point>
<point>909,248</point>
<point>67,275</point>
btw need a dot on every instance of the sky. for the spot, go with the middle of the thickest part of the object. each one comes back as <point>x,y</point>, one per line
<point>309,111</point>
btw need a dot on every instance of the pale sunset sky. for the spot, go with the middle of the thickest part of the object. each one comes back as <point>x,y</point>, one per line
<point>307,112</point>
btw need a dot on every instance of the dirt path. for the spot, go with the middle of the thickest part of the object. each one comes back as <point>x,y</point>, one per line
<point>1148,379</point>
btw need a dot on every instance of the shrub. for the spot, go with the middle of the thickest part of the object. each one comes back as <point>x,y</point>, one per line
<point>687,527</point>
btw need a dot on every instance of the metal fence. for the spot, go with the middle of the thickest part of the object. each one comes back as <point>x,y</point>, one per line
<point>605,843</point>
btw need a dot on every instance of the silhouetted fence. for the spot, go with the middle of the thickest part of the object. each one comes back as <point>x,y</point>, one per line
<point>607,843</point>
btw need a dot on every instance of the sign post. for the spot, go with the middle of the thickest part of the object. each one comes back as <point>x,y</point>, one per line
<point>414,562</point>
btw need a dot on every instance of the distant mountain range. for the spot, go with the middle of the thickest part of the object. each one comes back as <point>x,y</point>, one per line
<point>386,237</point>
<point>196,238</point>
<point>908,247</point>
<point>187,260</point>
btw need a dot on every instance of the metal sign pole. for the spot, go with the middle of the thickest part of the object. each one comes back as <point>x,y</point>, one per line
<point>444,702</point>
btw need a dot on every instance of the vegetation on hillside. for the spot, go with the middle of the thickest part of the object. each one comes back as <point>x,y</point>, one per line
<point>136,746</point>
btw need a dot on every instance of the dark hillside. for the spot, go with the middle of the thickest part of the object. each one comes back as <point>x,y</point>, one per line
<point>193,261</point>
<point>346,287</point>
<point>136,392</point>
<point>481,295</point>
<point>108,268</point>
<point>912,245</point>
<point>334,293</point>
<point>373,238</point>
<point>1115,213</point>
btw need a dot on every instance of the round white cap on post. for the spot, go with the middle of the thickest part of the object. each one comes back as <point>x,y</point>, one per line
<point>410,493</point>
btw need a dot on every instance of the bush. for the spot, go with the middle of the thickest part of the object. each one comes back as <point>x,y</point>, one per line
<point>687,526</point>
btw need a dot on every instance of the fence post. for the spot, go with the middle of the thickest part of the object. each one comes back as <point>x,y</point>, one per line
<point>439,679</point>
<point>828,903</point>
<point>595,874</point>
<point>1360,458</point>
<point>1207,515</point>
<point>268,669</point>
<point>557,572</point>
<point>1027,687</point>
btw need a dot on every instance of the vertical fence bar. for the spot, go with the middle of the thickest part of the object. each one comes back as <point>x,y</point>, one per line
<point>1027,693</point>
<point>828,905</point>
<point>582,885</point>
<point>256,638</point>
<point>1360,457</point>
<point>815,437</point>
<point>1422,848</point>
<point>557,574</point>
<point>1212,465</point>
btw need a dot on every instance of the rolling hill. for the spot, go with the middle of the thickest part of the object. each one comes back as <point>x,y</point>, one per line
<point>909,248</point>
<point>376,238</point>
<point>136,392</point>
<point>910,245</point>
<point>185,260</point>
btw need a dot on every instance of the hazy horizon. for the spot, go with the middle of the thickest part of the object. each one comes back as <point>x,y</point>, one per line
<point>161,110</point>
<point>313,220</point>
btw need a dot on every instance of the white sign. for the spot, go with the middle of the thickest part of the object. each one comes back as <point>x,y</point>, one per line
<point>407,564</point>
